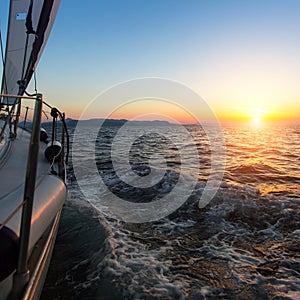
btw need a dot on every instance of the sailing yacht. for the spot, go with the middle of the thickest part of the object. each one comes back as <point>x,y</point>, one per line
<point>32,161</point>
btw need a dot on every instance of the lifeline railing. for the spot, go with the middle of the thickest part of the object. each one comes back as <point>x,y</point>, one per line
<point>12,119</point>
<point>10,109</point>
<point>21,276</point>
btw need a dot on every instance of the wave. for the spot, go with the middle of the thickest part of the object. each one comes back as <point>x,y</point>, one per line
<point>82,243</point>
<point>241,245</point>
<point>253,173</point>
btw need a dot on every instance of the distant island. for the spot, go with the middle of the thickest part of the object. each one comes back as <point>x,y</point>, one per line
<point>116,122</point>
<point>105,122</point>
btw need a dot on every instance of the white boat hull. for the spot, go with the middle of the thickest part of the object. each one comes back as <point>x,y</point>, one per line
<point>50,194</point>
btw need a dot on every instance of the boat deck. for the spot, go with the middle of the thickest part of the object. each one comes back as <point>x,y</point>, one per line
<point>13,170</point>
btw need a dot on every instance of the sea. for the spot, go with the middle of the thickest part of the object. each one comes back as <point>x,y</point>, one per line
<point>243,244</point>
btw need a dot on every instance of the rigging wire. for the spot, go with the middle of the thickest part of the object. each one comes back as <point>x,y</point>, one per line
<point>35,81</point>
<point>3,63</point>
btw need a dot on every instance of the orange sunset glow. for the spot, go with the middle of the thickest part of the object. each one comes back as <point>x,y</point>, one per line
<point>272,113</point>
<point>151,109</point>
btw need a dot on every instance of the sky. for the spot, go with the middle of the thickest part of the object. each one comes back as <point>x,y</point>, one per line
<point>242,57</point>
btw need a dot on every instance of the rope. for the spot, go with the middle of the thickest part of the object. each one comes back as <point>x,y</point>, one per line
<point>29,30</point>
<point>63,123</point>
<point>25,55</point>
<point>49,171</point>
<point>35,81</point>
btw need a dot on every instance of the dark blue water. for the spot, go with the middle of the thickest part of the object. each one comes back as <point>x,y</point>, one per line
<point>243,245</point>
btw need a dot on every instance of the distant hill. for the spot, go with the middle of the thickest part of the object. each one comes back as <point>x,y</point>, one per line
<point>113,122</point>
<point>106,122</point>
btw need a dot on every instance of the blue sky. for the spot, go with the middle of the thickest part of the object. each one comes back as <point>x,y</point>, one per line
<point>238,55</point>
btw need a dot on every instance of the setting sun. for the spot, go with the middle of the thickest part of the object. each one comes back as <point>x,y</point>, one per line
<point>258,115</point>
<point>256,120</point>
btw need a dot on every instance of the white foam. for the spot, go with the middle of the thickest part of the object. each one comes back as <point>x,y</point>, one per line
<point>143,273</point>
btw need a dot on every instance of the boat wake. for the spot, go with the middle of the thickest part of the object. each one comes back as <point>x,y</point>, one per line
<point>241,246</point>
